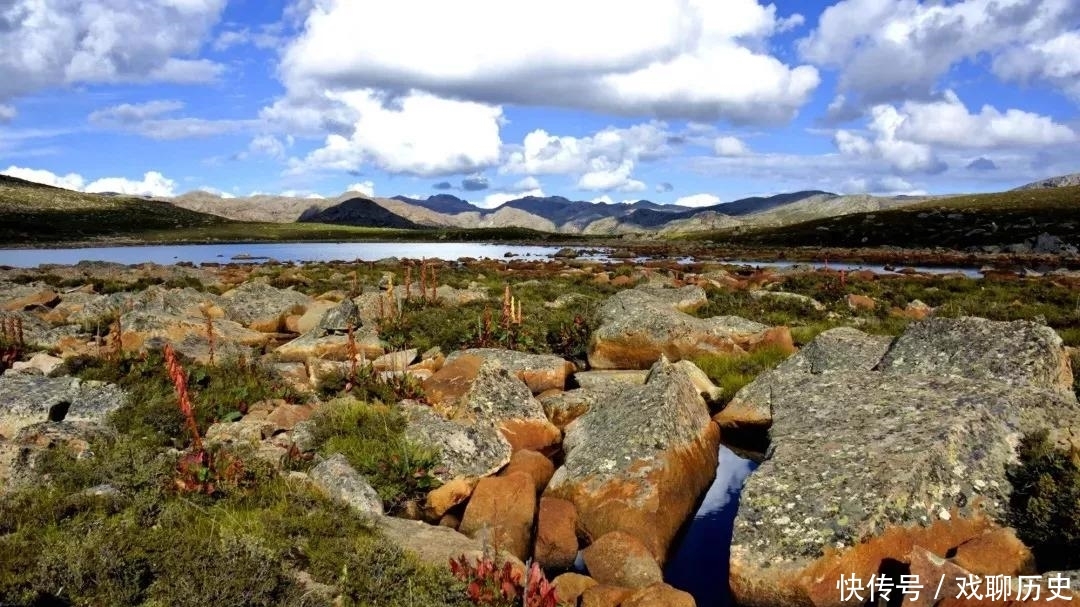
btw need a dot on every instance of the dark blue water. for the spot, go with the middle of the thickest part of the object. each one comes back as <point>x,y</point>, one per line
<point>700,564</point>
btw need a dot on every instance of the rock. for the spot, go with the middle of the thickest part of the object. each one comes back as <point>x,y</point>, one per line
<point>781,296</point>
<point>565,407</point>
<point>448,495</point>
<point>45,298</point>
<point>570,586</point>
<point>639,325</point>
<point>639,459</point>
<point>244,432</point>
<point>996,552</point>
<point>340,318</point>
<point>433,544</point>
<point>595,379</point>
<point>535,465</point>
<point>504,506</point>
<point>861,303</point>
<point>556,534</point>
<point>603,595</point>
<point>865,464</point>
<point>29,399</point>
<point>40,363</point>
<point>336,478</point>
<point>840,349</point>
<point>1019,352</point>
<point>312,317</point>
<point>620,559</point>
<point>262,307</point>
<point>467,449</point>
<point>143,330</point>
<point>566,299</point>
<point>540,372</point>
<point>395,361</point>
<point>330,347</point>
<point>282,416</point>
<point>19,456</point>
<point>480,389</point>
<point>565,253</point>
<point>659,595</point>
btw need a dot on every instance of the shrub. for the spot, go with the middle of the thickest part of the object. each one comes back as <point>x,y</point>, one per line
<point>372,438</point>
<point>1045,503</point>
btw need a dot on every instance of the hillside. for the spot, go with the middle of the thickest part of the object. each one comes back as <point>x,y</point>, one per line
<point>31,211</point>
<point>1011,221</point>
<point>1062,181</point>
<point>358,212</point>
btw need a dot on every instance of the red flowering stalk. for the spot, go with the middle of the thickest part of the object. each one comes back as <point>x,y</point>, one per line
<point>179,380</point>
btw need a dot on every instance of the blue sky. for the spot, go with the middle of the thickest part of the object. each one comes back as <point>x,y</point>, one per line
<point>679,101</point>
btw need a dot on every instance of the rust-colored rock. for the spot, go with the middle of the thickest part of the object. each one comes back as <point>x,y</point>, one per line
<point>541,372</point>
<point>570,586</point>
<point>622,281</point>
<point>603,595</point>
<point>659,595</point>
<point>996,552</point>
<point>504,507</point>
<point>861,303</point>
<point>556,534</point>
<point>538,467</point>
<point>441,499</point>
<point>46,298</point>
<point>620,559</point>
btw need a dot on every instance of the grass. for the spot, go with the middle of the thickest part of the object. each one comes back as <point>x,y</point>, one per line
<point>954,222</point>
<point>1045,503</point>
<point>371,437</point>
<point>731,373</point>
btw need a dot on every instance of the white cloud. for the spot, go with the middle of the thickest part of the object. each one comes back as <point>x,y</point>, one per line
<point>605,199</point>
<point>419,134</point>
<point>7,113</point>
<point>149,119</point>
<point>698,200</point>
<point>888,50</point>
<point>1056,61</point>
<point>730,146</point>
<point>603,161</point>
<point>216,192</point>
<point>265,37</point>
<point>906,136</point>
<point>61,42</point>
<point>367,188</point>
<point>890,185</point>
<point>270,145</point>
<point>153,183</point>
<point>134,113</point>
<point>71,181</point>
<point>680,59</point>
<point>528,183</point>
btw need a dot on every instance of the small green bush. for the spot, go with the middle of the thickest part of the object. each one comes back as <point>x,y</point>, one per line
<point>1045,503</point>
<point>372,438</point>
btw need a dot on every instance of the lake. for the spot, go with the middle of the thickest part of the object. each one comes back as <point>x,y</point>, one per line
<point>345,251</point>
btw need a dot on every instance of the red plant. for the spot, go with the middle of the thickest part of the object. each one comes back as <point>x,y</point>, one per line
<point>12,341</point>
<point>209,334</point>
<point>490,584</point>
<point>179,379</point>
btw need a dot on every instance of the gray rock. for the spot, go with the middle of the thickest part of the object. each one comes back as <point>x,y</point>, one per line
<point>340,318</point>
<point>782,296</point>
<point>39,364</point>
<point>434,544</point>
<point>541,372</point>
<point>253,301</point>
<point>597,379</point>
<point>466,449</point>
<point>19,456</point>
<point>638,459</point>
<point>1018,352</point>
<point>339,480</point>
<point>28,399</point>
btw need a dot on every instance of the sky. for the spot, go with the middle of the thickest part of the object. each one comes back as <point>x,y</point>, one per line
<point>692,102</point>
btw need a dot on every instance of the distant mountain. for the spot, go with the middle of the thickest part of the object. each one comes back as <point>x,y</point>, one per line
<point>440,203</point>
<point>358,212</point>
<point>758,204</point>
<point>1062,181</point>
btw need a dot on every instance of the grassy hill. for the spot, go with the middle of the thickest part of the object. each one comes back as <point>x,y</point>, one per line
<point>956,222</point>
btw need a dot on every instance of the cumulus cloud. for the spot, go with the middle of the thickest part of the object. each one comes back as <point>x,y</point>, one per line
<point>730,146</point>
<point>698,200</point>
<point>684,59</point>
<point>664,187</point>
<point>443,186</point>
<point>888,50</point>
<point>1056,61</point>
<point>419,134</point>
<point>71,181</point>
<point>367,188</point>
<point>269,145</point>
<point>7,113</point>
<point>603,161</point>
<point>153,183</point>
<point>61,42</point>
<point>889,185</point>
<point>906,136</point>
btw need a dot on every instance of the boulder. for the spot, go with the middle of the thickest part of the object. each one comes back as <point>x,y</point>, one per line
<point>340,481</point>
<point>564,407</point>
<point>840,349</point>
<point>39,364</point>
<point>556,534</point>
<point>313,315</point>
<point>19,456</point>
<point>620,559</point>
<point>145,330</point>
<point>440,500</point>
<point>538,467</point>
<point>603,595</point>
<point>659,595</point>
<point>861,303</point>
<point>595,379</point>
<point>640,458</point>
<point>866,464</point>
<point>467,449</point>
<point>331,346</point>
<point>339,318</point>
<point>262,307</point>
<point>45,298</point>
<point>504,507</point>
<point>434,545</point>
<point>395,361</point>
<point>638,326</point>
<point>475,388</point>
<point>996,552</point>
<point>540,372</point>
<point>788,298</point>
<point>29,399</point>
<point>570,586</point>
<point>1019,352</point>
